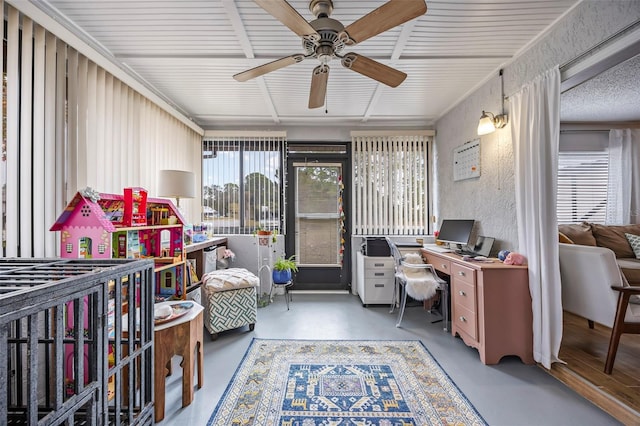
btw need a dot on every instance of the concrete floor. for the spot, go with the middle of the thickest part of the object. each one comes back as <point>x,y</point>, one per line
<point>510,393</point>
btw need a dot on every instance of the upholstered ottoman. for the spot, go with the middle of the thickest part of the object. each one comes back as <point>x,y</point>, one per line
<point>229,300</point>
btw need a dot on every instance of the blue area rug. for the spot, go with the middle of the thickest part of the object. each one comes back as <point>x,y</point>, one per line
<point>341,382</point>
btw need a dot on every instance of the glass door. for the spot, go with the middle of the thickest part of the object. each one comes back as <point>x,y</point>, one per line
<point>318,225</point>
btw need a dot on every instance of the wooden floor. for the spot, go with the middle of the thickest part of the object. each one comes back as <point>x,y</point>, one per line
<point>585,351</point>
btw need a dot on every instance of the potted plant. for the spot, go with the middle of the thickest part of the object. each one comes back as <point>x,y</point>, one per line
<point>264,235</point>
<point>283,268</point>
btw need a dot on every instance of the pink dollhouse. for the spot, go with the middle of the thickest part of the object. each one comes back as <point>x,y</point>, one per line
<point>91,226</point>
<point>103,226</point>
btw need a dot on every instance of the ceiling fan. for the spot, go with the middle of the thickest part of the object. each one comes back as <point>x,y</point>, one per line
<point>325,38</point>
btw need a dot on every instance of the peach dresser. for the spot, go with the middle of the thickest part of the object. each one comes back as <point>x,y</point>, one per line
<point>490,306</point>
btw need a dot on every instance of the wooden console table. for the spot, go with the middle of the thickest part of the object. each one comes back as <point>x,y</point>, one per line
<point>490,306</point>
<point>183,337</point>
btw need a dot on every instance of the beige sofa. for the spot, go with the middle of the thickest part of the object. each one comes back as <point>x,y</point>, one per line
<point>608,236</point>
<point>593,259</point>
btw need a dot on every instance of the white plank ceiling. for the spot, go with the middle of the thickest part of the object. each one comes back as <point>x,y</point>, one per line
<point>188,51</point>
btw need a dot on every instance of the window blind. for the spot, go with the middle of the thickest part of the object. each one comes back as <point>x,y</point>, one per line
<point>582,186</point>
<point>71,124</point>
<point>242,177</point>
<point>390,184</point>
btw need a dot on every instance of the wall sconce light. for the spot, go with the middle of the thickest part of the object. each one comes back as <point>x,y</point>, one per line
<point>177,184</point>
<point>489,122</point>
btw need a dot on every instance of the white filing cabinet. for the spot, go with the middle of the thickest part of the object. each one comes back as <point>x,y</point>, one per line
<point>375,279</point>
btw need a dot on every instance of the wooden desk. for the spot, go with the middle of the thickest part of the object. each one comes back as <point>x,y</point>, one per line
<point>490,306</point>
<point>183,337</point>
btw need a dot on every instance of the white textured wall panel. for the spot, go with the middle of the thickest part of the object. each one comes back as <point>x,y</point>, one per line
<point>490,199</point>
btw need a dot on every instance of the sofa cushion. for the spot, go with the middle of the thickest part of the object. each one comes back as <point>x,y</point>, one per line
<point>612,237</point>
<point>631,270</point>
<point>634,242</point>
<point>578,233</point>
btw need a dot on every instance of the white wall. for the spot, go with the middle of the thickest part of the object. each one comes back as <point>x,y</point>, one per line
<point>251,256</point>
<point>490,199</point>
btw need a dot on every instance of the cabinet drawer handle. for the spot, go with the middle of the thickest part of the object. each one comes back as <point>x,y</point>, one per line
<point>444,266</point>
<point>462,293</point>
<point>378,264</point>
<point>379,274</point>
<point>461,273</point>
<point>463,319</point>
<point>378,285</point>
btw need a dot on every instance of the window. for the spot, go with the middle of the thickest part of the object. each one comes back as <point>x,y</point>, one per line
<point>582,186</point>
<point>390,184</point>
<point>243,182</point>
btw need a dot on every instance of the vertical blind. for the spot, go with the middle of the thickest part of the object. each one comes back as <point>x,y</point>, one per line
<point>71,124</point>
<point>390,184</point>
<point>243,181</point>
<point>582,186</point>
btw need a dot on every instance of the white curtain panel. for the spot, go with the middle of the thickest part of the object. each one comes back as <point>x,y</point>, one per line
<point>634,214</point>
<point>620,177</point>
<point>535,130</point>
<point>623,192</point>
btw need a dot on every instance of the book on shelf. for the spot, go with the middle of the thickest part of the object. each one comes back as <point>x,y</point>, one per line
<point>192,275</point>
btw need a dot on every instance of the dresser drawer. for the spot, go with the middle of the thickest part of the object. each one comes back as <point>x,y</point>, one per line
<point>373,263</point>
<point>379,291</point>
<point>463,273</point>
<point>465,320</point>
<point>440,264</point>
<point>464,294</point>
<point>379,274</point>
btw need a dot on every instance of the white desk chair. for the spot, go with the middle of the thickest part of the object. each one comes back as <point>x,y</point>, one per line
<point>421,280</point>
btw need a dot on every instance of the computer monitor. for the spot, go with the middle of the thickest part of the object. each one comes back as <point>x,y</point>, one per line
<point>456,231</point>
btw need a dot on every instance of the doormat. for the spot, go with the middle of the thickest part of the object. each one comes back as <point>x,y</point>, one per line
<point>341,382</point>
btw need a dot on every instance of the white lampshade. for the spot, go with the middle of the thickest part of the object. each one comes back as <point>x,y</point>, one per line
<point>176,184</point>
<point>485,125</point>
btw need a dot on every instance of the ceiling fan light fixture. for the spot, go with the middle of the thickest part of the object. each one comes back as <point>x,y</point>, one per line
<point>325,38</point>
<point>324,54</point>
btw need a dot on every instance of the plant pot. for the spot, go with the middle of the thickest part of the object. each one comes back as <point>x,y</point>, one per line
<point>263,237</point>
<point>281,277</point>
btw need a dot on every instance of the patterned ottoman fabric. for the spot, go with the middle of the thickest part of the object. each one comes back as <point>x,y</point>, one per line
<point>232,306</point>
<point>229,279</point>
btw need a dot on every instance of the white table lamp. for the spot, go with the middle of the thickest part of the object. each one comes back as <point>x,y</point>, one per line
<point>177,184</point>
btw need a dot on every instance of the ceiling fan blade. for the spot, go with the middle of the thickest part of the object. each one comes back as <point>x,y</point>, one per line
<point>318,92</point>
<point>285,13</point>
<point>373,69</point>
<point>387,16</point>
<point>268,67</point>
